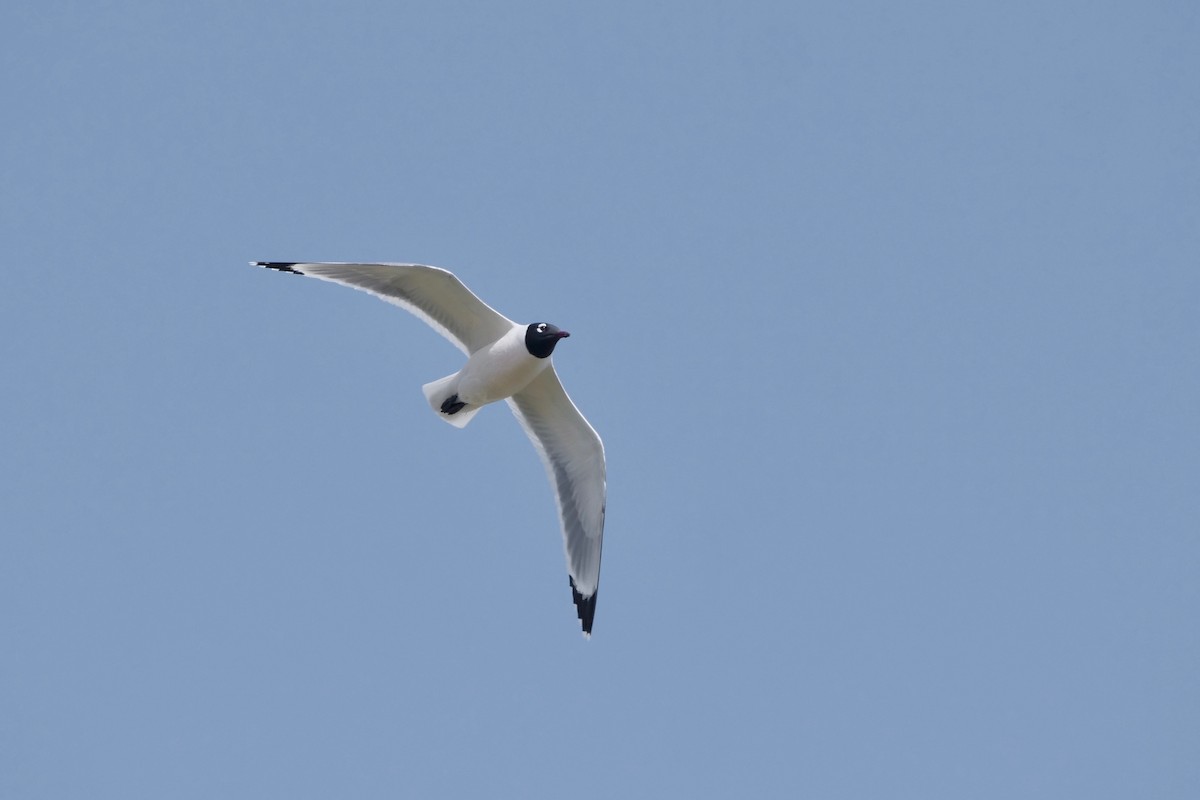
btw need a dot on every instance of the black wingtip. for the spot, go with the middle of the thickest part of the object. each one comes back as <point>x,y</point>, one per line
<point>586,606</point>
<point>282,266</point>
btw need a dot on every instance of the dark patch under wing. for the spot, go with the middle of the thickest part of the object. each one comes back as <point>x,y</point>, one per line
<point>586,606</point>
<point>281,266</point>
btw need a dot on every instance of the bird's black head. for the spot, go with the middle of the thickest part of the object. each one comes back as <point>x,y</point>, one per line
<point>540,338</point>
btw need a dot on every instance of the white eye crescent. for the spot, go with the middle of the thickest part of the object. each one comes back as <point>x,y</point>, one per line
<point>541,328</point>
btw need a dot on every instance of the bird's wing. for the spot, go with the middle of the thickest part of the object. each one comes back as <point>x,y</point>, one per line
<point>574,459</point>
<point>435,295</point>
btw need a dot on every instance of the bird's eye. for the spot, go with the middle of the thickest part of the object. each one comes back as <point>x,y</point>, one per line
<point>541,328</point>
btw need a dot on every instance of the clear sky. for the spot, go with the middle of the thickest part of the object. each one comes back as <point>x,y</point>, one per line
<point>887,314</point>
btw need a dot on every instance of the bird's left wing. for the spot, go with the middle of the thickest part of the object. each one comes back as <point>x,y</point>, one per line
<point>435,295</point>
<point>574,458</point>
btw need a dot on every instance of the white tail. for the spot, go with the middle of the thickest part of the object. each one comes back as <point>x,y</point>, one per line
<point>441,390</point>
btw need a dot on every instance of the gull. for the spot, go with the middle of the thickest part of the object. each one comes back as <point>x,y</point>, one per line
<point>508,361</point>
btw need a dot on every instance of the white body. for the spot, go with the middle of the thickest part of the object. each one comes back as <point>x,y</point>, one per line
<point>499,370</point>
<point>494,372</point>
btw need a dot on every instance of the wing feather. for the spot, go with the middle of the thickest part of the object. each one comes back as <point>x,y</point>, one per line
<point>574,458</point>
<point>434,295</point>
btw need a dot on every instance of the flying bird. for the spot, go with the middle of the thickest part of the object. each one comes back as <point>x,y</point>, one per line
<point>509,361</point>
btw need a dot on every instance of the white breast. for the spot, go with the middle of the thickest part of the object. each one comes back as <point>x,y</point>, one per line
<point>499,370</point>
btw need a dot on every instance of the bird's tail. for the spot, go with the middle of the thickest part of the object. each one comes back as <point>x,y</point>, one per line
<point>442,395</point>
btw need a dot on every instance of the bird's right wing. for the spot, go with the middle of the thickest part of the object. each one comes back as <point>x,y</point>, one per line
<point>574,458</point>
<point>432,294</point>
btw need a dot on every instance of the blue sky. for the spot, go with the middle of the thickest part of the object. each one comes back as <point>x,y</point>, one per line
<point>886,313</point>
